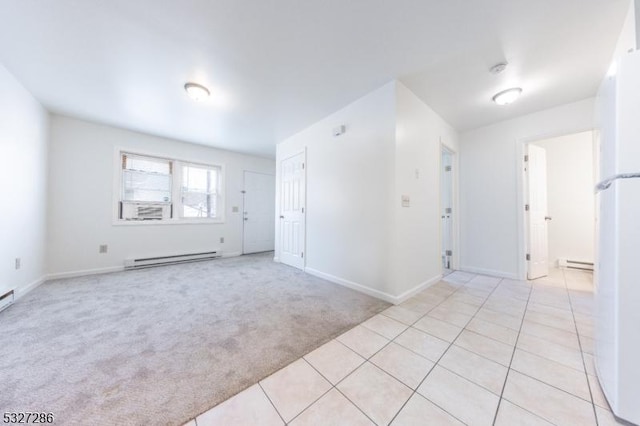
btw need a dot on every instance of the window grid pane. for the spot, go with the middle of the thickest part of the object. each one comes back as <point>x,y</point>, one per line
<point>146,179</point>
<point>147,164</point>
<point>199,192</point>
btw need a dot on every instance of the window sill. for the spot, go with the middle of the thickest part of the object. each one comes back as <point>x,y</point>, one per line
<point>120,222</point>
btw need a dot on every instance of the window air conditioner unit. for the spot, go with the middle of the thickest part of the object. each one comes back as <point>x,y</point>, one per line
<point>145,211</point>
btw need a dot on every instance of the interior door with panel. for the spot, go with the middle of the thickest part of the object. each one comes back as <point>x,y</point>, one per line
<point>446,207</point>
<point>536,172</point>
<point>292,214</point>
<point>259,212</point>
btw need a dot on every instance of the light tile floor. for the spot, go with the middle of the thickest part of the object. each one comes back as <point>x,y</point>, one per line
<point>471,349</point>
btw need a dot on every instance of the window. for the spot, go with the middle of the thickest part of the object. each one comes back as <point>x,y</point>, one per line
<point>199,191</point>
<point>146,179</point>
<point>161,189</point>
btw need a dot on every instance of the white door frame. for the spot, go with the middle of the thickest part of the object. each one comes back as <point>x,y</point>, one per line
<point>455,258</point>
<point>279,202</point>
<point>521,181</point>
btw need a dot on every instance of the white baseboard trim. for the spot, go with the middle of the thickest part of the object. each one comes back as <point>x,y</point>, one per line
<point>371,291</point>
<point>352,285</point>
<point>22,290</point>
<point>417,289</point>
<point>82,272</point>
<point>491,272</point>
<point>231,254</point>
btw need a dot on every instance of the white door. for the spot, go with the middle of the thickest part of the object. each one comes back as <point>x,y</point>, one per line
<point>536,169</point>
<point>292,215</point>
<point>259,212</point>
<point>446,207</point>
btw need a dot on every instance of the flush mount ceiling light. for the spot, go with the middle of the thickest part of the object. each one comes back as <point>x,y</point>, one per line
<point>196,91</point>
<point>508,96</point>
<point>498,68</point>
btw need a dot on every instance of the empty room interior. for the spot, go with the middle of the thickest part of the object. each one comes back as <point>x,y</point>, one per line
<point>320,213</point>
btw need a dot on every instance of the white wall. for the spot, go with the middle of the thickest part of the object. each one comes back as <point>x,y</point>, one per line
<point>491,236</point>
<point>629,35</point>
<point>24,129</point>
<point>349,191</point>
<point>570,194</point>
<point>636,8</point>
<point>416,233</point>
<point>81,202</point>
<point>357,232</point>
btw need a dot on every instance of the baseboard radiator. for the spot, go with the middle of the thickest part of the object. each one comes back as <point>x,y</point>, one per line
<point>6,300</point>
<point>149,262</point>
<point>575,264</point>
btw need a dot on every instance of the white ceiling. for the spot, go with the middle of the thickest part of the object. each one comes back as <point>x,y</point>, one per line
<point>277,66</point>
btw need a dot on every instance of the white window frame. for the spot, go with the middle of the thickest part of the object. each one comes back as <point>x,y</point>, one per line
<point>177,181</point>
<point>176,190</point>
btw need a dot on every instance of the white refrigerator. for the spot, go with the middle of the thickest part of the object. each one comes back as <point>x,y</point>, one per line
<point>617,277</point>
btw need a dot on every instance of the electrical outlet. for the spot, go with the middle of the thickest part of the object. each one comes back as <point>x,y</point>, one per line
<point>222,239</point>
<point>103,248</point>
<point>18,262</point>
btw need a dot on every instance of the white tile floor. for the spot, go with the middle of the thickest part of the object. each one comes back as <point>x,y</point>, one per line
<point>471,349</point>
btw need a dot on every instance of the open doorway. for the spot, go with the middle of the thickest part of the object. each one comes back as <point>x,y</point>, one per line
<point>559,226</point>
<point>446,208</point>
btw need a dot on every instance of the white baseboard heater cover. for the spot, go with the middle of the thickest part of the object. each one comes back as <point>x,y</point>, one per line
<point>6,300</point>
<point>149,262</point>
<point>575,264</point>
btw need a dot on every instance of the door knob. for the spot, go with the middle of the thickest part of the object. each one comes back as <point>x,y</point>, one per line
<point>246,218</point>
<point>281,217</point>
<point>548,218</point>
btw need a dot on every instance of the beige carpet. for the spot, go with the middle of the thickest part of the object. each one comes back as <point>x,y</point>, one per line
<point>160,346</point>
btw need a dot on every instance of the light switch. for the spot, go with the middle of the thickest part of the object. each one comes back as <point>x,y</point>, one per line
<point>406,201</point>
<point>235,209</point>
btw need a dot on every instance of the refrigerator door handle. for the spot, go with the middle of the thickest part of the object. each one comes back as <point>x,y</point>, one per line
<point>605,184</point>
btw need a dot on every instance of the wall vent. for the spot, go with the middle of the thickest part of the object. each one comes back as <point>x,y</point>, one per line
<point>6,300</point>
<point>575,264</point>
<point>149,262</point>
